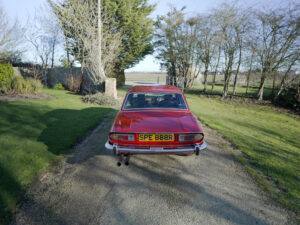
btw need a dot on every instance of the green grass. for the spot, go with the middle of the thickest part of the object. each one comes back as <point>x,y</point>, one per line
<point>269,140</point>
<point>35,134</point>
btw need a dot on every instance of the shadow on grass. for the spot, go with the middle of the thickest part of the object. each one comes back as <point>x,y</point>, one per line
<point>31,124</point>
<point>10,192</point>
<point>65,127</point>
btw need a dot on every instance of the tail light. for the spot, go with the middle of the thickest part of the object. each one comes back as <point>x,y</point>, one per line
<point>121,137</point>
<point>190,137</point>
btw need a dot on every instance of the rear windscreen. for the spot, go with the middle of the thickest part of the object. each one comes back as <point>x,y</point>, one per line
<point>154,100</point>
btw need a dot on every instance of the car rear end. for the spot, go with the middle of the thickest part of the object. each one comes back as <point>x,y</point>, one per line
<point>156,143</point>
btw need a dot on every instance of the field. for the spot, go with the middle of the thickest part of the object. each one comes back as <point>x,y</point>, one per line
<point>134,78</point>
<point>35,134</point>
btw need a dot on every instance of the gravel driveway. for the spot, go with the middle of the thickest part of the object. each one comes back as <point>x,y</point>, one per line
<point>90,189</point>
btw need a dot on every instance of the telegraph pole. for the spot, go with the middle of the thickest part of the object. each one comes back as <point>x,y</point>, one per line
<point>100,68</point>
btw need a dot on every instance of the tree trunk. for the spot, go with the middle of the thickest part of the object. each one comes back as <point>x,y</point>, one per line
<point>235,83</point>
<point>184,84</point>
<point>226,83</point>
<point>216,71</point>
<point>205,77</point>
<point>68,58</point>
<point>283,81</point>
<point>237,71</point>
<point>249,73</point>
<point>68,54</point>
<point>248,81</point>
<point>261,86</point>
<point>174,81</point>
<point>227,75</point>
<point>274,84</point>
<point>225,91</point>
<point>172,75</point>
<point>52,55</point>
<point>278,93</point>
<point>213,81</point>
<point>298,92</point>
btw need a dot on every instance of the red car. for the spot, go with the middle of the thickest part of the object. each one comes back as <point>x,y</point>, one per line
<point>155,120</point>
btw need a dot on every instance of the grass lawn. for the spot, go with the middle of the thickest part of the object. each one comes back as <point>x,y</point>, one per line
<point>35,134</point>
<point>269,140</point>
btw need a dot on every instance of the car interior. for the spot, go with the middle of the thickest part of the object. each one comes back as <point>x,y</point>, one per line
<point>150,100</point>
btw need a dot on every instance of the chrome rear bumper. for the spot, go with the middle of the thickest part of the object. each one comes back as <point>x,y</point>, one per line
<point>125,150</point>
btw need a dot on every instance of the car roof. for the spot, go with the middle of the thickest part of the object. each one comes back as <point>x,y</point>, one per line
<point>155,89</point>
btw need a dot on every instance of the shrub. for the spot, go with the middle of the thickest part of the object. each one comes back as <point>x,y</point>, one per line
<point>100,99</point>
<point>25,86</point>
<point>36,85</point>
<point>59,86</point>
<point>6,76</point>
<point>18,85</point>
<point>289,98</point>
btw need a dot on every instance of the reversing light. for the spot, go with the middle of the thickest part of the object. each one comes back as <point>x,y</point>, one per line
<point>122,137</point>
<point>190,137</point>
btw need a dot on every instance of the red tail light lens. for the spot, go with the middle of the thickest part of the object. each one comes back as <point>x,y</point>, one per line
<point>122,137</point>
<point>190,137</point>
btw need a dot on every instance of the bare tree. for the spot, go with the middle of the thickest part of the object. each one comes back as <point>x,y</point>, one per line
<point>168,29</point>
<point>50,27</point>
<point>278,32</point>
<point>207,37</point>
<point>232,38</point>
<point>242,25</point>
<point>227,20</point>
<point>40,41</point>
<point>81,25</point>
<point>177,45</point>
<point>216,69</point>
<point>189,60</point>
<point>249,64</point>
<point>10,37</point>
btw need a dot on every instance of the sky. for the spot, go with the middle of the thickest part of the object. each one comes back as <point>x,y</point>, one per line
<point>22,9</point>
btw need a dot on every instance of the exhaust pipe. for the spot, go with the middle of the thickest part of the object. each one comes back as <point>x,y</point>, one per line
<point>127,160</point>
<point>123,158</point>
<point>197,151</point>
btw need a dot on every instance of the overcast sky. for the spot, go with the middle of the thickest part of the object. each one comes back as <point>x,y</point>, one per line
<point>22,9</point>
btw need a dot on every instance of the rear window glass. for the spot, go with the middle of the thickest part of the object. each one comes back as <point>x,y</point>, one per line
<point>154,100</point>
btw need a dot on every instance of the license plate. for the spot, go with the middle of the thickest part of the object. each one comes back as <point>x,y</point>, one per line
<point>156,137</point>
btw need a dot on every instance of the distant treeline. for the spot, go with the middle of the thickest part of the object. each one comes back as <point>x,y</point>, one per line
<point>230,40</point>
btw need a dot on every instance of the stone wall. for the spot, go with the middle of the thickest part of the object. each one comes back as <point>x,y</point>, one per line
<point>74,79</point>
<point>62,75</point>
